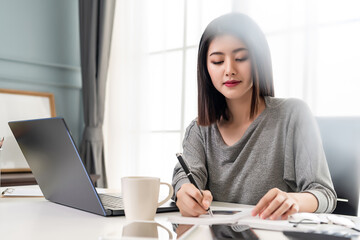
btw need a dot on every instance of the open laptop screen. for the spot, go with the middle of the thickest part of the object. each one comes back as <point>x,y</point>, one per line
<point>54,160</point>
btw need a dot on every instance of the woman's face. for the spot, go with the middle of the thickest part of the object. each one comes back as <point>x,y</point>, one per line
<point>229,66</point>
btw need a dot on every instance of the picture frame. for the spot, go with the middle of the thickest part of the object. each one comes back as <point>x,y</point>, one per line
<point>20,105</point>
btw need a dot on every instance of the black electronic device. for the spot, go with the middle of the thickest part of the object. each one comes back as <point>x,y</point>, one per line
<point>225,232</point>
<point>297,235</point>
<point>54,159</point>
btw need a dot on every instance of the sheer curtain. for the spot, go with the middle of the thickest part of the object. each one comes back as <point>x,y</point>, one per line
<point>151,94</point>
<point>152,77</point>
<point>127,70</point>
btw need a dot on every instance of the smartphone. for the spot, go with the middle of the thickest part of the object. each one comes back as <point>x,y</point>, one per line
<point>184,230</point>
<point>225,232</point>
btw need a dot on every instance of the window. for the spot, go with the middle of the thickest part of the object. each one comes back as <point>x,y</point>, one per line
<point>314,50</point>
<point>152,89</point>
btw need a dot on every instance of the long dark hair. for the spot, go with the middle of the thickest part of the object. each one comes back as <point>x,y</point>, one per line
<point>211,103</point>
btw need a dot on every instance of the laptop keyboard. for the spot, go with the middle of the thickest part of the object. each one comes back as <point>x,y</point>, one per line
<point>111,202</point>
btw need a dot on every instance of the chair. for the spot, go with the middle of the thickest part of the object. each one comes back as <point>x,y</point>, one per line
<point>341,141</point>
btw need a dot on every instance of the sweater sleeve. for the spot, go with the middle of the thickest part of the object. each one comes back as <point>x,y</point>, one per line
<point>194,156</point>
<point>305,166</point>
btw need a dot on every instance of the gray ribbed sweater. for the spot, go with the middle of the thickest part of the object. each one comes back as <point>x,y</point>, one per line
<point>281,148</point>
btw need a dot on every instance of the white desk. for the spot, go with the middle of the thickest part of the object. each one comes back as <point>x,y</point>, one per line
<point>37,218</point>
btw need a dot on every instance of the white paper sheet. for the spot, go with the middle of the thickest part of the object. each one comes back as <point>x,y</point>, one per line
<point>208,220</point>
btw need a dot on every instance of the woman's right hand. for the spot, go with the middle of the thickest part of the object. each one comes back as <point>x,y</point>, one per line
<point>190,201</point>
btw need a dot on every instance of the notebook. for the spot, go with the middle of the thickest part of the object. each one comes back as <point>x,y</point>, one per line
<point>54,159</point>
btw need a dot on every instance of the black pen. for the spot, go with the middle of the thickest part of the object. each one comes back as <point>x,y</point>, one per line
<point>190,176</point>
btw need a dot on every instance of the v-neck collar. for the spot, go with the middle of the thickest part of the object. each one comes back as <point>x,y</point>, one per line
<point>248,131</point>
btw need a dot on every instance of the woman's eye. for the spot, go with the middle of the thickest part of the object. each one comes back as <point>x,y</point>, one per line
<point>241,59</point>
<point>217,62</point>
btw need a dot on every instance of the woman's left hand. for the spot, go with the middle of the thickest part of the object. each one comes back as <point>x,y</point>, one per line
<point>276,204</point>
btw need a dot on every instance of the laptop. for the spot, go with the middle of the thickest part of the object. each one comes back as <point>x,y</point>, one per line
<point>54,159</point>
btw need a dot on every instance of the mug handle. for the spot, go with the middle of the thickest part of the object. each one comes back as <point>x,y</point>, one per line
<point>171,192</point>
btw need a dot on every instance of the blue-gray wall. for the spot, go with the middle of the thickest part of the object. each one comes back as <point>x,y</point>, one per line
<point>39,51</point>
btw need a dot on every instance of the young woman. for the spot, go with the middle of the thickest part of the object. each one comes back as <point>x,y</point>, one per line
<point>247,146</point>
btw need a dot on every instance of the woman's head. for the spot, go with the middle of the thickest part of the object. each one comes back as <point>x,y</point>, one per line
<point>211,103</point>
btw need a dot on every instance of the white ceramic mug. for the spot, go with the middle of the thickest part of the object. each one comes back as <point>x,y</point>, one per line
<point>141,195</point>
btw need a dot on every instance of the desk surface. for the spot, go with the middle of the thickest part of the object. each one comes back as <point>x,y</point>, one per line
<point>37,218</point>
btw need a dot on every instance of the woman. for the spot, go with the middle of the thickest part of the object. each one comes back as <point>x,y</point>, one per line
<point>247,146</point>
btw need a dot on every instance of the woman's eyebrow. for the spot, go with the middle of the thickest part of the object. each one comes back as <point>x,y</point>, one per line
<point>216,53</point>
<point>233,51</point>
<point>239,49</point>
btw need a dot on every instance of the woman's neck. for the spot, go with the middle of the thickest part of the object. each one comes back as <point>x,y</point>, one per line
<point>232,130</point>
<point>239,111</point>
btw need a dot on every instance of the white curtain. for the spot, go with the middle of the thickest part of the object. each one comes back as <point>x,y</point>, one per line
<point>151,92</point>
<point>124,91</point>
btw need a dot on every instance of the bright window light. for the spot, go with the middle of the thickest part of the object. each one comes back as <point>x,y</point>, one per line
<point>152,89</point>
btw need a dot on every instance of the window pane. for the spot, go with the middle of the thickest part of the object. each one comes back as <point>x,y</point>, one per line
<point>162,102</point>
<point>338,70</point>
<point>155,25</point>
<point>337,10</point>
<point>165,24</point>
<point>296,55</point>
<point>212,9</point>
<point>193,23</point>
<point>157,154</point>
<point>278,18</point>
<point>200,13</point>
<point>279,48</point>
<point>287,51</point>
<point>190,87</point>
<point>174,24</point>
<point>298,12</point>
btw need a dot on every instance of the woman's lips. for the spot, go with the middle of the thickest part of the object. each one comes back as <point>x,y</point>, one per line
<point>232,83</point>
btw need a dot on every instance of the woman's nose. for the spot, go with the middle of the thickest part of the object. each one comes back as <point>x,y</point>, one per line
<point>229,69</point>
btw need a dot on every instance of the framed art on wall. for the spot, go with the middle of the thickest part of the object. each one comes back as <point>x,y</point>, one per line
<point>20,105</point>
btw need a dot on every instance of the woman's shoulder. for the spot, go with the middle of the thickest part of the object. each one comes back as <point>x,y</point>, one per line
<point>195,128</point>
<point>288,109</point>
<point>287,104</point>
